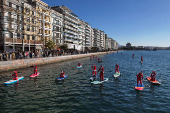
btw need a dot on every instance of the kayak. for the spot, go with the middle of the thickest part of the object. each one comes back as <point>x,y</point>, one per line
<point>34,75</point>
<point>79,66</point>
<point>13,81</point>
<point>116,74</point>
<point>153,82</point>
<point>61,78</point>
<point>93,78</point>
<point>100,82</point>
<point>139,87</point>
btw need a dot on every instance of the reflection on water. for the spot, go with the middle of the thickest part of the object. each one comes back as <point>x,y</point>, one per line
<point>77,94</point>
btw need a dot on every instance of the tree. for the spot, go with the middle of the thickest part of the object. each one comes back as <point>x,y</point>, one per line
<point>49,44</point>
<point>64,47</point>
<point>94,48</point>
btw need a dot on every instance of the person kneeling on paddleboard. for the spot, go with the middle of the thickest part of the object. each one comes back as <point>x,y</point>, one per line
<point>15,75</point>
<point>94,73</point>
<point>62,74</point>
<point>99,60</point>
<point>79,64</point>
<point>139,77</point>
<point>101,73</point>
<point>117,68</point>
<point>153,74</point>
<point>35,69</point>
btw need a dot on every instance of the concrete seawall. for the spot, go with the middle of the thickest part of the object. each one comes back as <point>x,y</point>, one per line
<point>23,63</point>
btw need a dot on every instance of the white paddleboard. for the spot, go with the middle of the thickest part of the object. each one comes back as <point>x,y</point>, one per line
<point>116,74</point>
<point>100,82</point>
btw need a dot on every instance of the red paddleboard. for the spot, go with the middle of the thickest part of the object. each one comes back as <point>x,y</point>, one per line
<point>139,87</point>
<point>34,75</point>
<point>153,82</point>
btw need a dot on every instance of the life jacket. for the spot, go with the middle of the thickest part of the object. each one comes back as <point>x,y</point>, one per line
<point>153,75</point>
<point>35,67</point>
<point>93,68</point>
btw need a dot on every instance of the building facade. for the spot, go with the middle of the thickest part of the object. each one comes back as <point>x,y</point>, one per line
<point>57,28</point>
<point>70,27</point>
<point>18,26</point>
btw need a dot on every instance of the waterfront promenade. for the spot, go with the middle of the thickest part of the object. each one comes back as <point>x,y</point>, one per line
<point>23,63</point>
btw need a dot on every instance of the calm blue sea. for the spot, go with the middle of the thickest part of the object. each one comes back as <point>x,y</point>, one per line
<point>77,95</point>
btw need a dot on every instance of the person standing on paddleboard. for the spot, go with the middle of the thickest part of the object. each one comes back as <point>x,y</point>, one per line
<point>62,74</point>
<point>153,74</point>
<point>141,59</point>
<point>133,55</point>
<point>94,73</point>
<point>139,77</point>
<point>101,69</point>
<point>117,68</point>
<point>79,64</point>
<point>35,69</point>
<point>15,75</point>
<point>90,57</point>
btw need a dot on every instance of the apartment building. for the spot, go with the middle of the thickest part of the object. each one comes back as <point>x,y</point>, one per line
<point>96,39</point>
<point>57,28</point>
<point>109,43</point>
<point>102,40</point>
<point>106,42</point>
<point>17,26</point>
<point>81,29</point>
<point>44,26</point>
<point>88,35</point>
<point>70,27</point>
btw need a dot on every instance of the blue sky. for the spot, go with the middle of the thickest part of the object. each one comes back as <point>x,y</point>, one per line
<point>140,22</point>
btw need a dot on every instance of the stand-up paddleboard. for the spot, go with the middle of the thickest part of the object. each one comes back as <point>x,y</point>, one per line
<point>153,82</point>
<point>61,78</point>
<point>34,75</point>
<point>93,78</point>
<point>100,82</point>
<point>139,87</point>
<point>116,74</point>
<point>13,81</point>
<point>79,66</point>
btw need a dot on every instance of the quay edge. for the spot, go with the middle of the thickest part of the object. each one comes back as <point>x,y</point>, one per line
<point>23,63</point>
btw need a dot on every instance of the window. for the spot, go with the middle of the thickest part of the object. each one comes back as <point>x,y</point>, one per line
<point>32,12</point>
<point>33,29</point>
<point>33,37</point>
<point>18,35</point>
<point>22,36</point>
<point>10,4</point>
<point>33,21</point>
<point>10,35</point>
<point>28,11</point>
<point>22,9</point>
<point>28,37</point>
<point>18,17</point>
<point>17,7</point>
<point>28,28</point>
<point>18,28</point>
<point>28,19</point>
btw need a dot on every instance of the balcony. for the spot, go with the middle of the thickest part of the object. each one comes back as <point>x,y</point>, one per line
<point>47,21</point>
<point>10,19</point>
<point>68,18</point>
<point>11,29</point>
<point>68,39</point>
<point>55,30</point>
